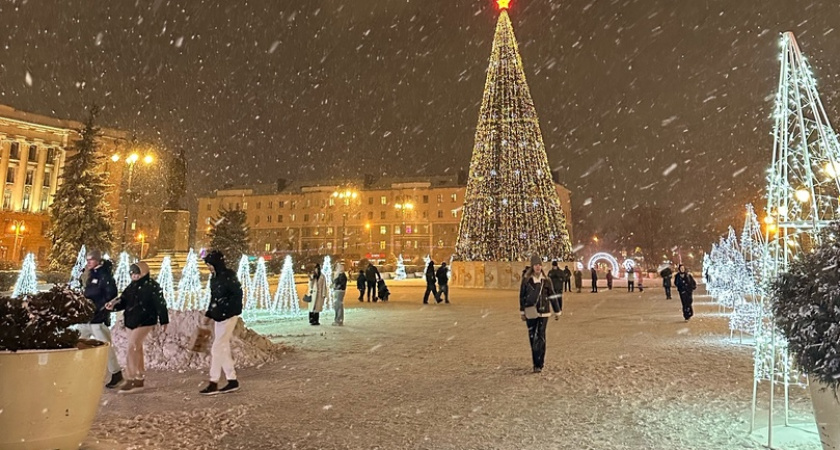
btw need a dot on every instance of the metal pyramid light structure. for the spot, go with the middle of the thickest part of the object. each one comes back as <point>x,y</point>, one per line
<point>803,188</point>
<point>511,207</point>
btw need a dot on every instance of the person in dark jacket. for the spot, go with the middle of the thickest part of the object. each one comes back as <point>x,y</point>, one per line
<point>99,287</point>
<point>594,275</point>
<point>371,277</point>
<point>685,286</point>
<point>224,310</point>
<point>360,285</point>
<point>556,277</point>
<point>430,284</point>
<point>666,274</point>
<point>567,279</point>
<point>609,279</point>
<point>339,289</point>
<point>578,280</point>
<point>537,299</point>
<point>443,281</point>
<point>144,307</point>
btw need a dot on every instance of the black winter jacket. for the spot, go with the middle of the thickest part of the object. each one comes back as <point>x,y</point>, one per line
<point>372,274</point>
<point>685,282</point>
<point>340,282</point>
<point>225,295</point>
<point>666,276</point>
<point>100,288</point>
<point>547,299</point>
<point>143,303</point>
<point>430,274</point>
<point>443,275</point>
<point>557,278</point>
<point>360,282</point>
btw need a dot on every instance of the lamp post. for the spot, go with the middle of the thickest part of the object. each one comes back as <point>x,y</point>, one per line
<point>142,238</point>
<point>346,196</point>
<point>131,160</point>
<point>18,227</point>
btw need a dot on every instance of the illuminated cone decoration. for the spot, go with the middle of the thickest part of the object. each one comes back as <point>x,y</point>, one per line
<point>511,209</point>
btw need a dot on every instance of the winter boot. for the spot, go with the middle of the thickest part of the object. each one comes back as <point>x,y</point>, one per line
<point>116,379</point>
<point>131,387</point>
<point>310,318</point>
<point>316,318</point>
<point>211,389</point>
<point>232,386</point>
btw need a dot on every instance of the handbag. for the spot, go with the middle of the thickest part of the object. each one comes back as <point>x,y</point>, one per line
<point>531,312</point>
<point>307,298</point>
<point>201,340</point>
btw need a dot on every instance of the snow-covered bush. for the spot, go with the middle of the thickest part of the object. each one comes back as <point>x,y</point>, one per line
<point>807,308</point>
<point>42,321</point>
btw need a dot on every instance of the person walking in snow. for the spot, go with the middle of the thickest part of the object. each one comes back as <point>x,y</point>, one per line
<point>594,274</point>
<point>685,286</point>
<point>144,307</point>
<point>318,292</point>
<point>100,288</point>
<point>666,274</point>
<point>537,299</point>
<point>567,279</point>
<point>442,275</point>
<point>430,283</point>
<point>339,288</point>
<point>223,311</point>
<point>578,280</point>
<point>609,279</point>
<point>631,279</point>
<point>556,277</point>
<point>372,276</point>
<point>360,285</point>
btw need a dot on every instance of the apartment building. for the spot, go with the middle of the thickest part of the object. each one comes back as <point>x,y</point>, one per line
<point>368,218</point>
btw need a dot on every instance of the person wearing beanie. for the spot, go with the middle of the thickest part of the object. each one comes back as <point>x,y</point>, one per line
<point>99,287</point>
<point>537,298</point>
<point>557,280</point>
<point>223,311</point>
<point>144,307</point>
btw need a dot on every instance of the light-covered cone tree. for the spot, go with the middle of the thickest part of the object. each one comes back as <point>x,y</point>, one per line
<point>286,300</point>
<point>244,275</point>
<point>121,275</point>
<point>189,287</point>
<point>400,271</point>
<point>166,281</point>
<point>259,287</point>
<point>326,272</point>
<point>27,281</point>
<point>78,269</point>
<point>79,214</point>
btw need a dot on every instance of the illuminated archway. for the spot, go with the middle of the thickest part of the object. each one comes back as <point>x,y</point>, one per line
<point>609,258</point>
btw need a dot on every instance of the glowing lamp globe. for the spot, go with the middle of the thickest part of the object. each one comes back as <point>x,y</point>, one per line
<point>802,195</point>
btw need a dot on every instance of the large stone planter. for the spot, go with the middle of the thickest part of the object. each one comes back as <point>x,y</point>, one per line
<point>826,413</point>
<point>49,398</point>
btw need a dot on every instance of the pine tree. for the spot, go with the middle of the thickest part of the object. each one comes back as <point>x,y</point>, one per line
<point>511,208</point>
<point>229,234</point>
<point>286,301</point>
<point>78,268</point>
<point>27,282</point>
<point>79,213</point>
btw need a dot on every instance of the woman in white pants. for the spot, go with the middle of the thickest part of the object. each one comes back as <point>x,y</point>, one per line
<point>224,309</point>
<point>339,289</point>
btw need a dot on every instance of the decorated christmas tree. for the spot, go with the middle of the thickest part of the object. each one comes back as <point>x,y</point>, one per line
<point>78,269</point>
<point>27,282</point>
<point>286,301</point>
<point>244,275</point>
<point>326,272</point>
<point>400,272</point>
<point>79,214</point>
<point>259,287</point>
<point>166,281</point>
<point>511,208</point>
<point>189,288</point>
<point>121,275</point>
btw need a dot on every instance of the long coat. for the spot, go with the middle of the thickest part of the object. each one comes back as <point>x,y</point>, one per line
<point>318,291</point>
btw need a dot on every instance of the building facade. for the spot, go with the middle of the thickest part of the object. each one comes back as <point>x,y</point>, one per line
<point>376,219</point>
<point>33,150</point>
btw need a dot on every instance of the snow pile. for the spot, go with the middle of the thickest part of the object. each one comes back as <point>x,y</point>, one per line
<point>171,350</point>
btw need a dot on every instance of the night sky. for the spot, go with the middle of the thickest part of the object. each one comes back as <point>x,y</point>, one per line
<point>641,101</point>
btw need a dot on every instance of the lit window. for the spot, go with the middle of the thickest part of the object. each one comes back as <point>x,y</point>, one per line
<point>291,217</point>
<point>454,198</point>
<point>396,229</point>
<point>454,213</point>
<point>381,245</point>
<point>329,245</point>
<point>332,201</point>
<point>384,200</point>
<point>133,225</point>
<point>383,230</point>
<point>329,231</point>
<point>244,206</point>
<point>207,221</point>
<point>267,247</point>
<point>440,198</point>
<point>408,229</point>
<point>27,197</point>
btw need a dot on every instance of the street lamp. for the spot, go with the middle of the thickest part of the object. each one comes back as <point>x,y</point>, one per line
<point>18,227</point>
<point>370,236</point>
<point>345,196</point>
<point>142,238</point>
<point>131,160</point>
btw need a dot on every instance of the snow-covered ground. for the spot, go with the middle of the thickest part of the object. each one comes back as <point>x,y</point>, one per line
<point>623,371</point>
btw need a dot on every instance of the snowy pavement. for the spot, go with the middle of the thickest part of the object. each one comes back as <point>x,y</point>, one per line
<point>623,371</point>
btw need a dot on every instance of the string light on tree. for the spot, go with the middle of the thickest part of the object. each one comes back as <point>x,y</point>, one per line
<point>259,287</point>
<point>122,276</point>
<point>78,269</point>
<point>326,271</point>
<point>189,287</point>
<point>400,271</point>
<point>511,207</point>
<point>166,280</point>
<point>286,301</point>
<point>244,275</point>
<point>27,281</point>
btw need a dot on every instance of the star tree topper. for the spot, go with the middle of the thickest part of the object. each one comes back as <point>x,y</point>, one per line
<point>503,4</point>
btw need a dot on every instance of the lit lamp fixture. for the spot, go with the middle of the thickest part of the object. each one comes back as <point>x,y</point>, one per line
<point>831,169</point>
<point>404,206</point>
<point>803,195</point>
